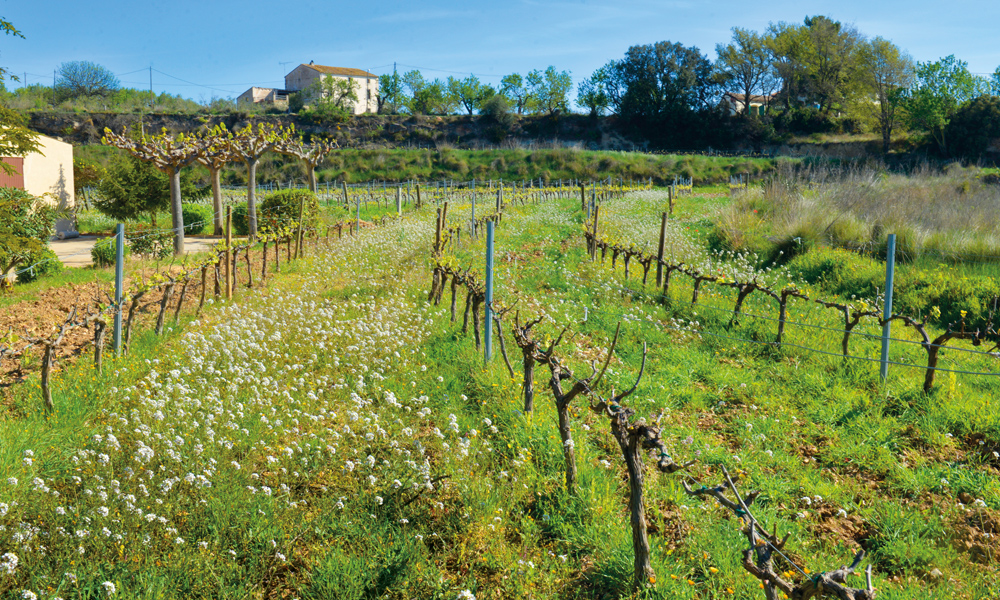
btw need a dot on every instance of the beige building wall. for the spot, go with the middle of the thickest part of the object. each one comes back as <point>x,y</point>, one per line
<point>50,171</point>
<point>365,84</point>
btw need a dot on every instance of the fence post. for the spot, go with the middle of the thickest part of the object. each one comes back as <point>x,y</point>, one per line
<point>659,253</point>
<point>473,209</point>
<point>488,328</point>
<point>358,226</point>
<point>343,184</point>
<point>890,268</point>
<point>399,200</point>
<point>119,283</point>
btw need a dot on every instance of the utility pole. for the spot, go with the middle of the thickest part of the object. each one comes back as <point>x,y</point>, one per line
<point>150,86</point>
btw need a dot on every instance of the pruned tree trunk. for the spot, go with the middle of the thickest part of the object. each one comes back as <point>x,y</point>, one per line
<point>529,383</point>
<point>47,358</point>
<point>131,316</point>
<point>744,291</point>
<point>454,293</point>
<point>465,315</point>
<point>569,450</point>
<point>694,292</point>
<point>477,302</point>
<point>313,184</point>
<point>217,218</point>
<point>782,316</point>
<point>204,285</point>
<point>249,269</point>
<point>435,283</point>
<point>642,567</point>
<point>168,292</point>
<point>180,301</point>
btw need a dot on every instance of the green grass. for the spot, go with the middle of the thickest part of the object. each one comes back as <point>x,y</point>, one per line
<point>348,343</point>
<point>355,166</point>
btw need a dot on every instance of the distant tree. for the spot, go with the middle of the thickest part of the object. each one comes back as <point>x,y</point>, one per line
<point>390,93</point>
<point>469,92</point>
<point>84,78</point>
<point>939,88</point>
<point>974,127</point>
<point>550,89</point>
<point>995,82</point>
<point>427,97</point>
<point>495,114</point>
<point>787,45</point>
<point>815,60</point>
<point>311,155</point>
<point>416,101</point>
<point>662,78</point>
<point>513,88</point>
<point>330,99</point>
<point>592,93</point>
<point>831,59</point>
<point>745,64</point>
<point>886,72</point>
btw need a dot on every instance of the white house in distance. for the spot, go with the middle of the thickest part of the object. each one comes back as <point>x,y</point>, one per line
<point>365,83</point>
<point>736,103</point>
<point>47,174</point>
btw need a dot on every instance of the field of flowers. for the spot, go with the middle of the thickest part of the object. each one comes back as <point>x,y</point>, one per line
<point>337,436</point>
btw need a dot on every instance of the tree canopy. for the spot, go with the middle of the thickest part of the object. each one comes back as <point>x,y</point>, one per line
<point>84,78</point>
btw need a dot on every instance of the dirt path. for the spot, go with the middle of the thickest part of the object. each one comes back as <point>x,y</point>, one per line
<point>76,252</point>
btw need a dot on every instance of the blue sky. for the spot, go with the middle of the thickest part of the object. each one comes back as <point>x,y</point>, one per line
<point>201,49</point>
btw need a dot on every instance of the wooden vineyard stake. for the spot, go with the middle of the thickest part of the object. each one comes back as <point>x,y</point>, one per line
<point>659,252</point>
<point>298,234</point>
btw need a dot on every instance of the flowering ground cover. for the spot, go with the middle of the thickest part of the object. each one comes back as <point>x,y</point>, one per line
<point>337,436</point>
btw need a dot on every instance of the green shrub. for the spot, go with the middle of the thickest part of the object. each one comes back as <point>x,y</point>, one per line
<point>840,271</point>
<point>50,266</point>
<point>241,219</point>
<point>197,218</point>
<point>921,290</point>
<point>150,243</point>
<point>25,225</point>
<point>282,208</point>
<point>916,291</point>
<point>103,252</point>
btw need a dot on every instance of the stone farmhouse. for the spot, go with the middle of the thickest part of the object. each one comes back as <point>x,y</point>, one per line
<point>365,83</point>
<point>301,77</point>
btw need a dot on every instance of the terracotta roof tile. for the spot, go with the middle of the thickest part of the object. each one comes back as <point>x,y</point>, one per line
<point>342,71</point>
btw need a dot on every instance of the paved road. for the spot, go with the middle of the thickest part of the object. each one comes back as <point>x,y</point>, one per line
<point>76,252</point>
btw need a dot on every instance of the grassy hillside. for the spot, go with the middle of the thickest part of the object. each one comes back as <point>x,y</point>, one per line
<point>510,165</point>
<point>339,436</point>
